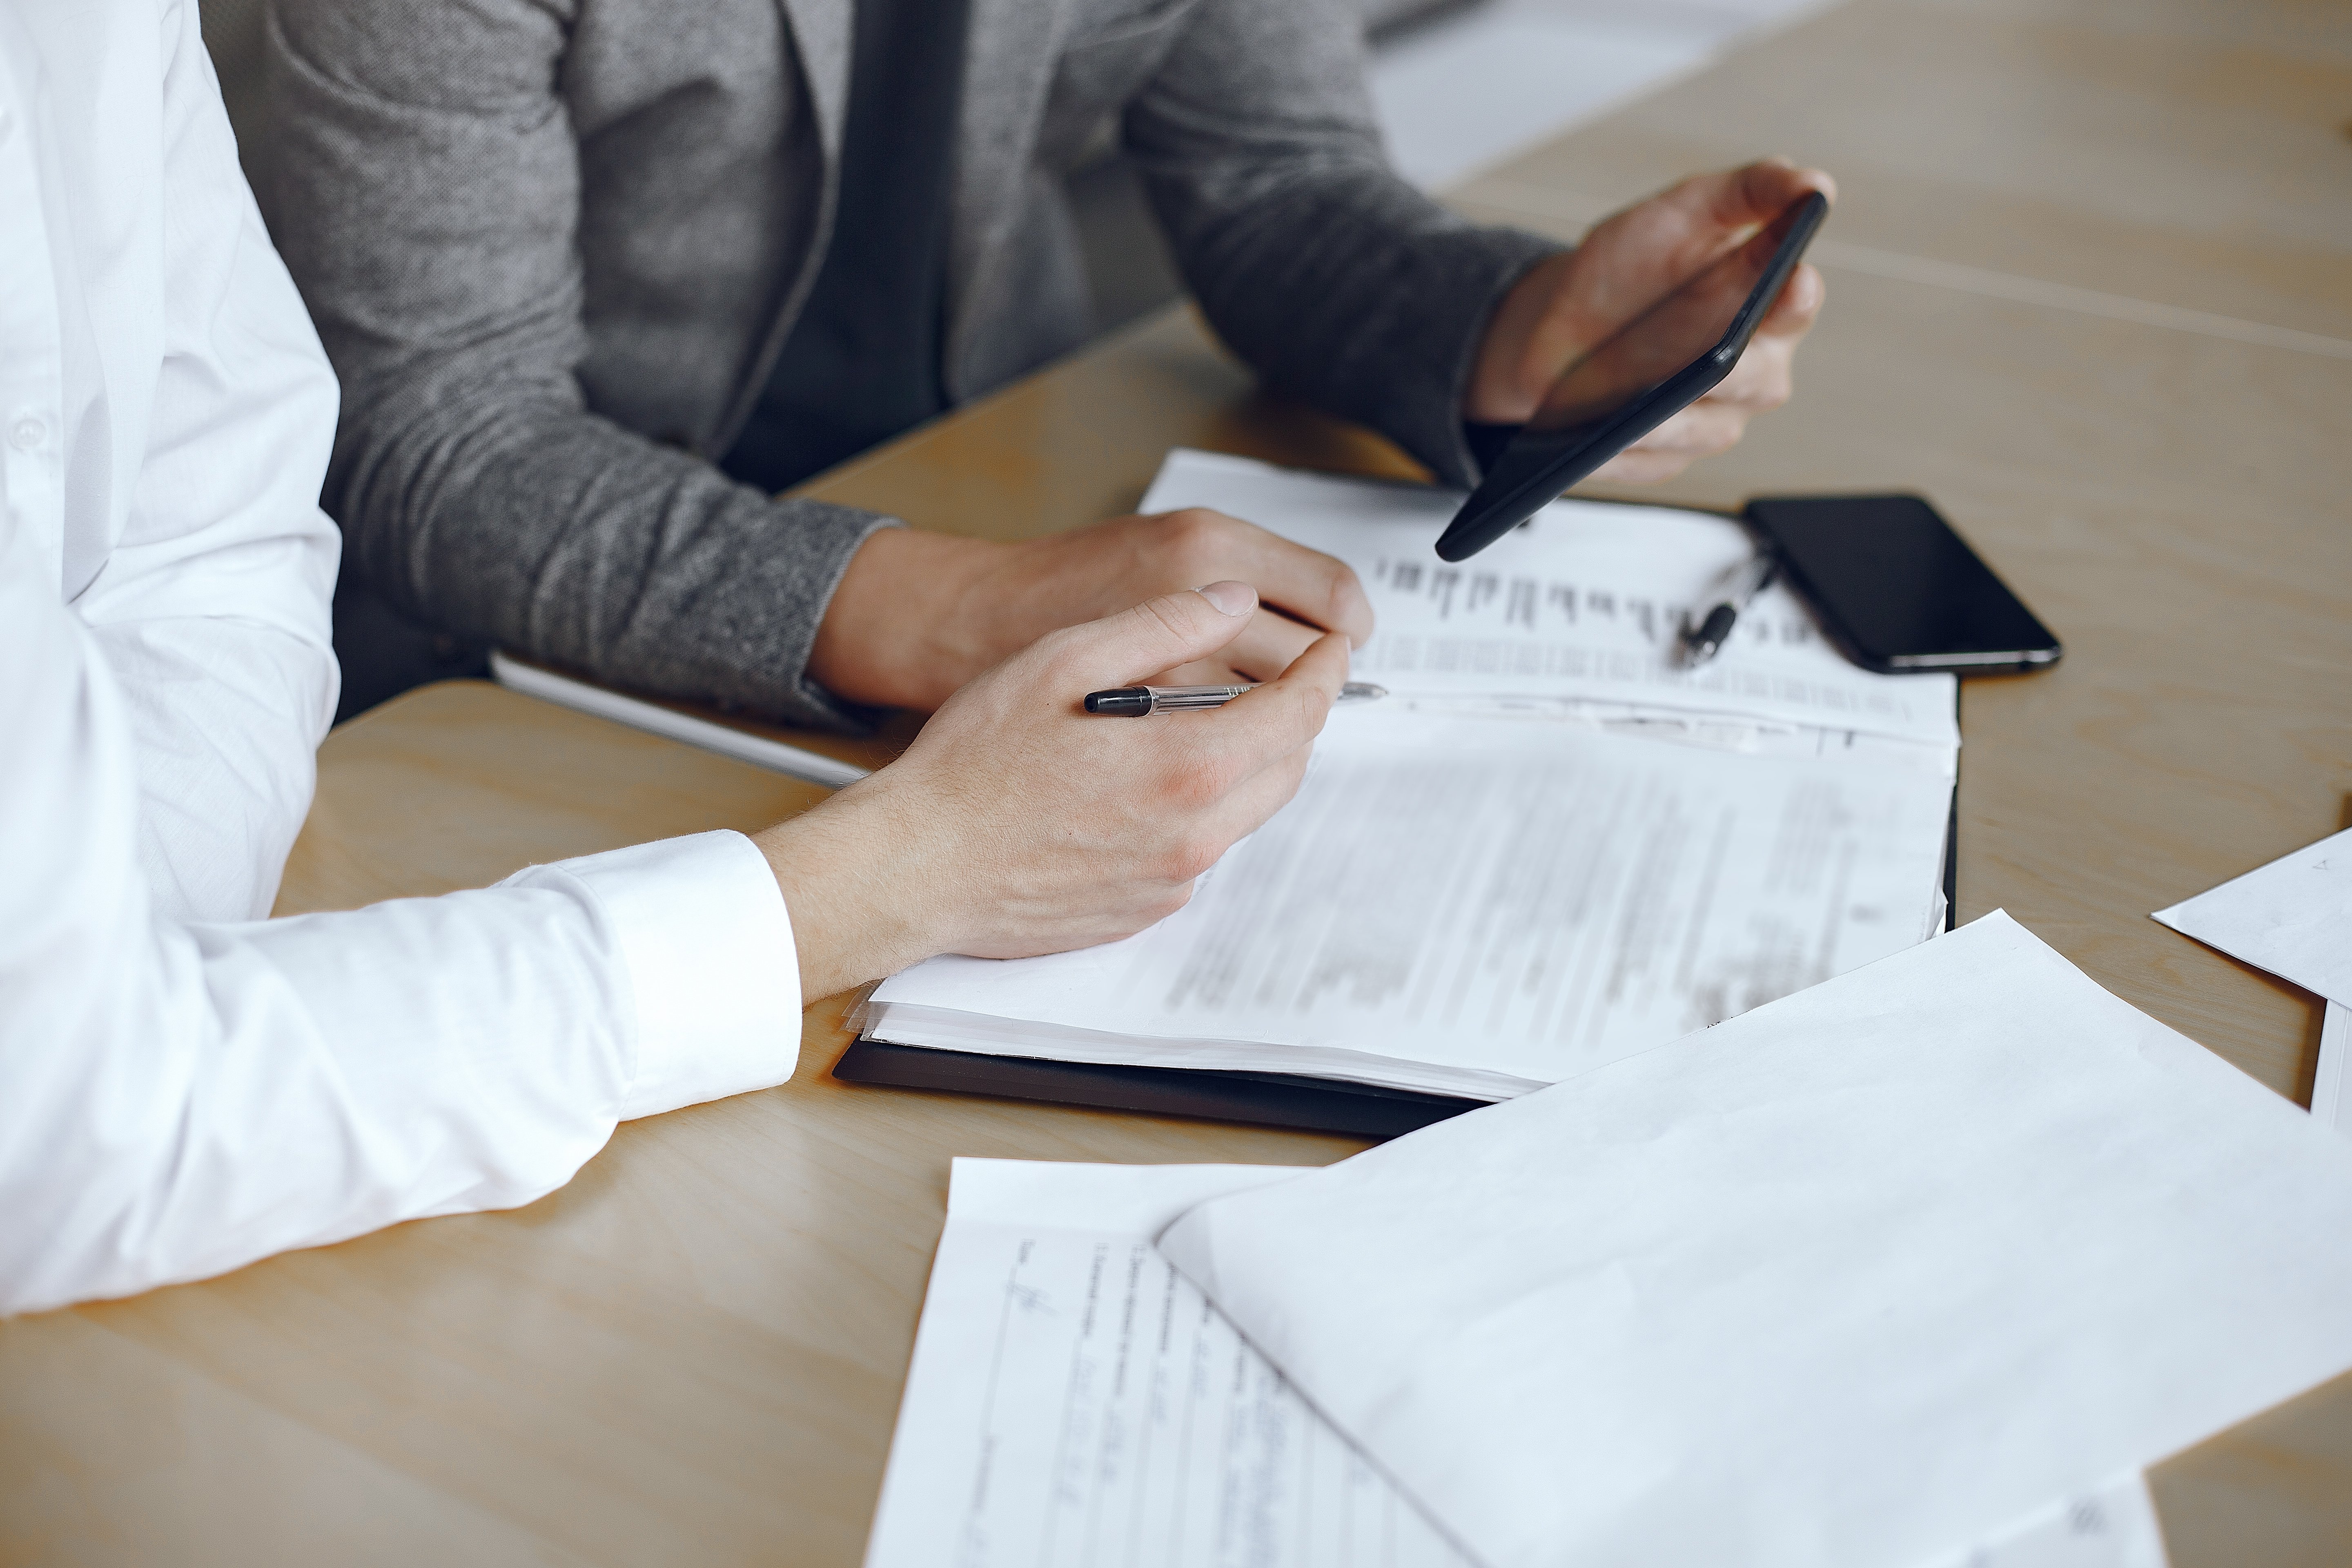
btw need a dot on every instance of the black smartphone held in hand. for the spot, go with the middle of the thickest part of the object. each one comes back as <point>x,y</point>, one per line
<point>1666,359</point>
<point>1897,588</point>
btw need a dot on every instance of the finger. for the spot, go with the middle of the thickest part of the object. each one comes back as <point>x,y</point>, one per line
<point>1696,433</point>
<point>1641,257</point>
<point>1792,314</point>
<point>1692,225</point>
<point>1157,635</point>
<point>1286,713</point>
<point>1762,380</point>
<point>1317,589</point>
<point>1262,651</point>
<point>1753,194</point>
<point>1632,466</point>
<point>1200,672</point>
<point>1269,645</point>
<point>1702,430</point>
<point>1219,752</point>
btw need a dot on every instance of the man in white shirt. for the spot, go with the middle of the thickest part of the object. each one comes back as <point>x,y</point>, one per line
<point>185,1087</point>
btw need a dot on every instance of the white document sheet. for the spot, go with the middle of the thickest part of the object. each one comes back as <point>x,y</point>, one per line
<point>1075,1401</point>
<point>2329,1104</point>
<point>1859,1278</point>
<point>1583,604</point>
<point>2291,917</point>
<point>2110,1526</point>
<point>1479,907</point>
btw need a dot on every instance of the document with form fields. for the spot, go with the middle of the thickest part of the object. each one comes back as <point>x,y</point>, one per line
<point>1576,613</point>
<point>1074,1401</point>
<point>1550,846</point>
<point>1866,1275</point>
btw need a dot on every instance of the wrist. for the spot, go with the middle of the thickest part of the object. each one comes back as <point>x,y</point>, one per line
<point>1523,350</point>
<point>859,908</point>
<point>899,630</point>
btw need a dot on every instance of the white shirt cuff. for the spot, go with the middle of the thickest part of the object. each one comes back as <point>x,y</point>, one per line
<point>717,981</point>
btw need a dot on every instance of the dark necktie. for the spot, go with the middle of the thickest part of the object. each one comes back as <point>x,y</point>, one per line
<point>862,363</point>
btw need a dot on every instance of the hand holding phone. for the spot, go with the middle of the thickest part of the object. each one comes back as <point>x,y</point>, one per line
<point>1637,380</point>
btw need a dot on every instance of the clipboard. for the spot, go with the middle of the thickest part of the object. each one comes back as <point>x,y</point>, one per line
<point>1260,1098</point>
<point>1263,1098</point>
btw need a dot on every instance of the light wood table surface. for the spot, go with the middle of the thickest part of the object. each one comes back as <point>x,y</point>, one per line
<point>2091,290</point>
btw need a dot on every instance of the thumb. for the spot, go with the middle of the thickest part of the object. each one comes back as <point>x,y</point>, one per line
<point>1754,193</point>
<point>1159,633</point>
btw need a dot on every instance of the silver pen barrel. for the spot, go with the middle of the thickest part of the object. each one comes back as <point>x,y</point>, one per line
<point>1183,698</point>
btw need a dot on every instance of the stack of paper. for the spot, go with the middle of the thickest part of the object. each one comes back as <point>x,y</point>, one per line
<point>2293,917</point>
<point>1853,1279</point>
<point>1551,847</point>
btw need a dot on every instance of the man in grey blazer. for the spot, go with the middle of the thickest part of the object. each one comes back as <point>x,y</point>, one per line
<point>600,276</point>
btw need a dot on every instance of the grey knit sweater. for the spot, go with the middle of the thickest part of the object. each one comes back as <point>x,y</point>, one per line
<point>552,246</point>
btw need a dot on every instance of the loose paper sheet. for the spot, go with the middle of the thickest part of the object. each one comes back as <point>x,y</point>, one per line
<point>2110,1526</point>
<point>2329,1104</point>
<point>1074,1401</point>
<point>2293,917</point>
<point>1583,603</point>
<point>1856,1278</point>
<point>1479,907</point>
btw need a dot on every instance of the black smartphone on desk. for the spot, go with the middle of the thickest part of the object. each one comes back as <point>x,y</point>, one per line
<point>1662,363</point>
<point>1897,588</point>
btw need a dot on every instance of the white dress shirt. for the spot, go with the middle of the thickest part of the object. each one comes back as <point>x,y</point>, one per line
<point>183,1086</point>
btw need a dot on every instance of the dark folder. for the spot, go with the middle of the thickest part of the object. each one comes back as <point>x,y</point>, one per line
<point>1271,1098</point>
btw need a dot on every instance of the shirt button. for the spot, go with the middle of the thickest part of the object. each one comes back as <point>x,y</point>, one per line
<point>26,434</point>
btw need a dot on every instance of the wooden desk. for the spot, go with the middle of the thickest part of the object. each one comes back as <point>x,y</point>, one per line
<point>692,1353</point>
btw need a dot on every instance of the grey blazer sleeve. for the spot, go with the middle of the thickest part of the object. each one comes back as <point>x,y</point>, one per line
<point>1335,279</point>
<point>422,178</point>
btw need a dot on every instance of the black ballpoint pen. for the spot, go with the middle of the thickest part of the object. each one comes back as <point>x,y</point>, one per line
<point>1704,639</point>
<point>1138,701</point>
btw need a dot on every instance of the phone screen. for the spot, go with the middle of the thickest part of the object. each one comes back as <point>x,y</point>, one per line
<point>1898,588</point>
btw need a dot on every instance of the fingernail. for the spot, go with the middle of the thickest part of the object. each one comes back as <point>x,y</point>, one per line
<point>1232,598</point>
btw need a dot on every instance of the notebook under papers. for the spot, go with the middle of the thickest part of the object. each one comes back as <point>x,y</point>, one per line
<point>1551,847</point>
